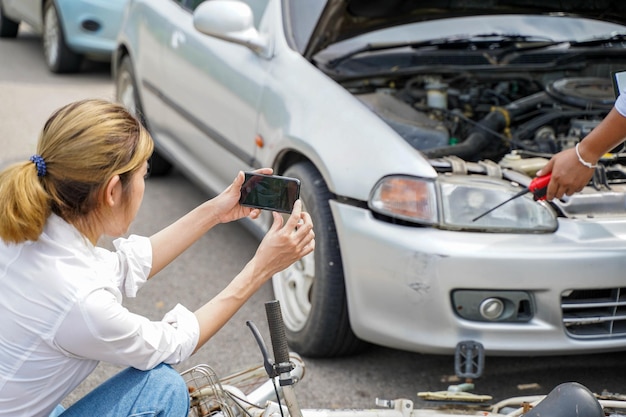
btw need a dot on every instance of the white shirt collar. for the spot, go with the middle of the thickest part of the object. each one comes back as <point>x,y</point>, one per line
<point>59,230</point>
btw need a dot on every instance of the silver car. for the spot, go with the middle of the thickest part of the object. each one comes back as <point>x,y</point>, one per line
<point>404,121</point>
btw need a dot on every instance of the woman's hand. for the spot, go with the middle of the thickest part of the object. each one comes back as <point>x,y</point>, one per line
<point>226,204</point>
<point>568,174</point>
<point>285,244</point>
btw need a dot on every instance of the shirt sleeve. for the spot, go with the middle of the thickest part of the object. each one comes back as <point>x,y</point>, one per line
<point>100,328</point>
<point>131,262</point>
<point>620,104</point>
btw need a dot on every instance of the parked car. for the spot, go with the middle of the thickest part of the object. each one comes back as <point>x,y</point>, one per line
<point>404,121</point>
<point>71,29</point>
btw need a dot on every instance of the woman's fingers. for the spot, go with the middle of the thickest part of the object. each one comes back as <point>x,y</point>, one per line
<point>264,171</point>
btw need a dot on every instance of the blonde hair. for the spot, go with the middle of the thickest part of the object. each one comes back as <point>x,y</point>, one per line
<point>83,145</point>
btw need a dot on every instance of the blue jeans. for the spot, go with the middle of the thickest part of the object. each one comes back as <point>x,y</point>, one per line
<point>159,392</point>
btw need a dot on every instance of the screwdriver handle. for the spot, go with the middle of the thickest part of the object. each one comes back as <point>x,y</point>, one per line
<point>539,187</point>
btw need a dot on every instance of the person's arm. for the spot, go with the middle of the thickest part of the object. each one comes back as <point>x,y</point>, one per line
<point>281,247</point>
<point>569,174</point>
<point>606,136</point>
<point>99,327</point>
<point>173,240</point>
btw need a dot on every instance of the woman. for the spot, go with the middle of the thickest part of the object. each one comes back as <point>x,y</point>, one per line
<point>60,303</point>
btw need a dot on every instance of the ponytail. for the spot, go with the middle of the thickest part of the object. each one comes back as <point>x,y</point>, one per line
<point>25,204</point>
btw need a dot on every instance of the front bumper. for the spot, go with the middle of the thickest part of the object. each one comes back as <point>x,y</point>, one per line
<point>399,282</point>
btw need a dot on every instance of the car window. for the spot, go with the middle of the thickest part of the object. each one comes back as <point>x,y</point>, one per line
<point>191,4</point>
<point>303,16</point>
<point>258,9</point>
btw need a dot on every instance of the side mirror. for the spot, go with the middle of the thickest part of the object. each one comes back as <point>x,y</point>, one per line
<point>231,21</point>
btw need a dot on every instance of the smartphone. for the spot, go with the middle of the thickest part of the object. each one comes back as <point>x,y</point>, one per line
<point>269,192</point>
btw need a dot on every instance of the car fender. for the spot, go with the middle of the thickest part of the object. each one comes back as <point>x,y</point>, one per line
<point>307,112</point>
<point>105,12</point>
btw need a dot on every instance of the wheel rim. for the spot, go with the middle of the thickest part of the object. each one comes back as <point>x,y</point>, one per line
<point>293,288</point>
<point>51,37</point>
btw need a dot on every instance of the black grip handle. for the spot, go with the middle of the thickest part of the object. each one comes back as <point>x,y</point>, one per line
<point>277,332</point>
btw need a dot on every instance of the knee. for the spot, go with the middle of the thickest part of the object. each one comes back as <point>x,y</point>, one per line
<point>168,376</point>
<point>166,380</point>
<point>165,372</point>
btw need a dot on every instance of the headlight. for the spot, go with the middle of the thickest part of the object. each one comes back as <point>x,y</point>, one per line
<point>454,201</point>
<point>406,198</point>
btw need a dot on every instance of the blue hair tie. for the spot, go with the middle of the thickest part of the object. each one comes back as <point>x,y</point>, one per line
<point>40,164</point>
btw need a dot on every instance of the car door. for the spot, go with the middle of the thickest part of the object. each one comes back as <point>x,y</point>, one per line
<point>211,104</point>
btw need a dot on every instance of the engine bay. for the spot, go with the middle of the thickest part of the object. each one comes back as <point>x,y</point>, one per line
<point>514,119</point>
<point>489,117</point>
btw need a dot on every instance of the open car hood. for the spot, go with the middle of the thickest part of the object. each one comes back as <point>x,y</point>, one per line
<point>343,19</point>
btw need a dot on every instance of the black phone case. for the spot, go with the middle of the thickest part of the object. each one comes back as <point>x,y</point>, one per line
<point>269,192</point>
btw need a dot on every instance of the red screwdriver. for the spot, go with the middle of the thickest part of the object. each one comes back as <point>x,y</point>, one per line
<point>538,187</point>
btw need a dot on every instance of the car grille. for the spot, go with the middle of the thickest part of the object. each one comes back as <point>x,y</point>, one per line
<point>594,313</point>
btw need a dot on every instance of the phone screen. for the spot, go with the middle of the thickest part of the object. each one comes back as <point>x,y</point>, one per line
<point>270,192</point>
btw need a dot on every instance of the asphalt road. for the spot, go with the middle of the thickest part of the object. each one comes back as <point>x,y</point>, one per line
<point>28,94</point>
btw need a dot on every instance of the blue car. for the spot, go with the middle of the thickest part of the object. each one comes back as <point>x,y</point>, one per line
<point>71,29</point>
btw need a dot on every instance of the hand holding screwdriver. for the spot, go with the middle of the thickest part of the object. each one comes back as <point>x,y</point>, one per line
<point>538,187</point>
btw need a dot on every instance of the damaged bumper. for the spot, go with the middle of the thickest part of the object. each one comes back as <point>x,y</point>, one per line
<point>421,288</point>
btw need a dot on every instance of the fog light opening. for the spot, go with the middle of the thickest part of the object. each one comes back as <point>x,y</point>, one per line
<point>90,25</point>
<point>491,308</point>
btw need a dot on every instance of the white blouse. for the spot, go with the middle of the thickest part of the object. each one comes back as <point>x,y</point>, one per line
<point>61,312</point>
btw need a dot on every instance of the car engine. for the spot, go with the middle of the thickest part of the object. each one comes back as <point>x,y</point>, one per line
<point>488,117</point>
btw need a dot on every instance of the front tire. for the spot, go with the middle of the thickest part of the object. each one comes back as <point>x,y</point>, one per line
<point>59,58</point>
<point>126,92</point>
<point>312,291</point>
